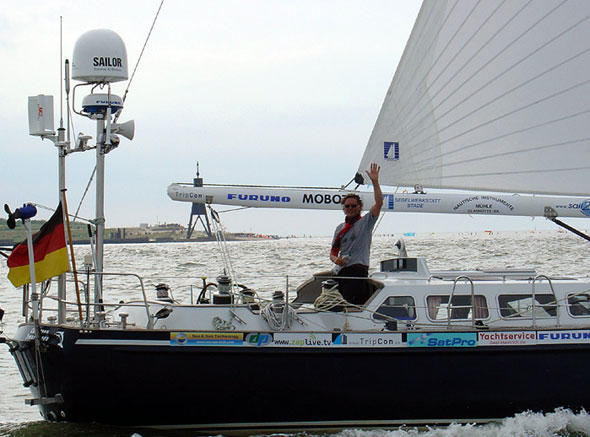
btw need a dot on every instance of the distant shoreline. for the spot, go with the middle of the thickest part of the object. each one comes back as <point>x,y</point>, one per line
<point>229,237</point>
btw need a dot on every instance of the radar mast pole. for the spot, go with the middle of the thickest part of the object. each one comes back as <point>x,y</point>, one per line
<point>100,220</point>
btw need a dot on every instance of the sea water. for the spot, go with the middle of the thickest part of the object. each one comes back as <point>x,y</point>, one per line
<point>269,265</point>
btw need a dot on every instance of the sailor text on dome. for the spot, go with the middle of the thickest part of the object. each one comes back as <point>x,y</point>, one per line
<point>104,61</point>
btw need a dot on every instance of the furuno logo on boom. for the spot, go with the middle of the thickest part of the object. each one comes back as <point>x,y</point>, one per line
<point>259,197</point>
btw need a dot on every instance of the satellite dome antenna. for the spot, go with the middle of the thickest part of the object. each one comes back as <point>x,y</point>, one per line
<point>100,59</point>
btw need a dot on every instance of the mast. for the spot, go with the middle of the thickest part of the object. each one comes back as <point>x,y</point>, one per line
<point>99,220</point>
<point>61,281</point>
<point>99,59</point>
<point>62,146</point>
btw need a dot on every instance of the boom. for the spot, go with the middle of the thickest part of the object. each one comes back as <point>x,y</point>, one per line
<point>329,198</point>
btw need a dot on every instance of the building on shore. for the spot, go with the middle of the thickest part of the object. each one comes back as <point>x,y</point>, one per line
<point>144,233</point>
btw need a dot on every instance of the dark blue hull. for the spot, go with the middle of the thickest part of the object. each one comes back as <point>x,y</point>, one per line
<point>121,378</point>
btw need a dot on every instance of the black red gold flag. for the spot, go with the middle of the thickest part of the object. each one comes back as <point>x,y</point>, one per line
<point>49,248</point>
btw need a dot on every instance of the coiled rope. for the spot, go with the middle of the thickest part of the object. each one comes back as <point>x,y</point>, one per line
<point>329,299</point>
<point>273,313</point>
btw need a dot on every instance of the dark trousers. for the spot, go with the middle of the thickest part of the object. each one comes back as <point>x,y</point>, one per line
<point>355,291</point>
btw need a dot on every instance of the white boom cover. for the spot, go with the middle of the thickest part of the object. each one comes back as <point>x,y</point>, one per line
<point>324,198</point>
<point>490,95</point>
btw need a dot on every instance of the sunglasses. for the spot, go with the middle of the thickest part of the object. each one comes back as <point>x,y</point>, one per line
<point>350,206</point>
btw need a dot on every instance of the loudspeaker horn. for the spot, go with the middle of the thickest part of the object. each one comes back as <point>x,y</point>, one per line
<point>126,129</point>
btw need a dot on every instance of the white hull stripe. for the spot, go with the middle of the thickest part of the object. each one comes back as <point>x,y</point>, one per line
<point>295,426</point>
<point>109,342</point>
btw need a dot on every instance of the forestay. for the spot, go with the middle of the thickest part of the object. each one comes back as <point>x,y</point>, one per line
<point>490,95</point>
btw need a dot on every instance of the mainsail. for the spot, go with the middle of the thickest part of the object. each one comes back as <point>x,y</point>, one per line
<point>490,95</point>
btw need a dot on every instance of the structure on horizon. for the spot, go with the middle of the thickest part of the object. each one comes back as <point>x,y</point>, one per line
<point>198,210</point>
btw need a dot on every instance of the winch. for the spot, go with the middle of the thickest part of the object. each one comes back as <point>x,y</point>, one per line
<point>223,295</point>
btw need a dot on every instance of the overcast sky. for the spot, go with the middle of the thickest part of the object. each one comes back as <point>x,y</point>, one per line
<point>259,92</point>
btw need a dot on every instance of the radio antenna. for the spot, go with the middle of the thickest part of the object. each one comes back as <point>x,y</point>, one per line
<point>61,81</point>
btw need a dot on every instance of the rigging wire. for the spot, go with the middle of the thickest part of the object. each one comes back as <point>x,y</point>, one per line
<point>263,186</point>
<point>70,120</point>
<point>233,209</point>
<point>379,220</point>
<point>47,208</point>
<point>343,187</point>
<point>219,232</point>
<point>85,192</point>
<point>140,55</point>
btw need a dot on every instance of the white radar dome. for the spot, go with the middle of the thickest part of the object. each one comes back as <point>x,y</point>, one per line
<point>99,56</point>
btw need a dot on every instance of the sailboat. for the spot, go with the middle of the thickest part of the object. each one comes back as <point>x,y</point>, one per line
<point>491,97</point>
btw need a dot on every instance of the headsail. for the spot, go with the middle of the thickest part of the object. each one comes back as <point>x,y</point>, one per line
<point>490,96</point>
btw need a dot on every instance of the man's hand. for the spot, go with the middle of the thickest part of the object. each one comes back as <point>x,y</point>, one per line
<point>338,260</point>
<point>373,173</point>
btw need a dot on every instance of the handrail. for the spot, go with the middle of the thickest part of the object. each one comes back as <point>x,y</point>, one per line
<point>95,304</point>
<point>543,305</point>
<point>147,309</point>
<point>450,305</point>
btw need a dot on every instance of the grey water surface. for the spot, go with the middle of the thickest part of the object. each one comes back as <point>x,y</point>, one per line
<point>269,265</point>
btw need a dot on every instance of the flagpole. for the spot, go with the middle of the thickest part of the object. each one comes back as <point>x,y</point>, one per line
<point>34,295</point>
<point>72,253</point>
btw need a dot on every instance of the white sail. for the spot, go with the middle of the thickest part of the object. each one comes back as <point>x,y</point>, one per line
<point>490,95</point>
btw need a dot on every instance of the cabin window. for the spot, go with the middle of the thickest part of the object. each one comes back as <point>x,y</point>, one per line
<point>579,304</point>
<point>397,307</point>
<point>521,305</point>
<point>460,307</point>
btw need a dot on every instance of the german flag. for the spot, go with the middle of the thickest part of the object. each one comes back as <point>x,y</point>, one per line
<point>49,247</point>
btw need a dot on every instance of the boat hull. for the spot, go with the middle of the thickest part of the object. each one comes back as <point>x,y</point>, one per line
<point>139,378</point>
